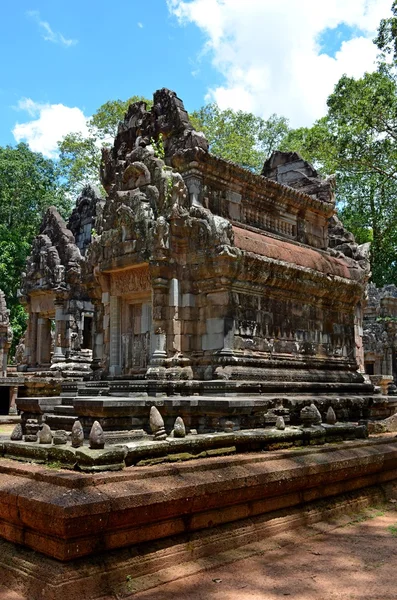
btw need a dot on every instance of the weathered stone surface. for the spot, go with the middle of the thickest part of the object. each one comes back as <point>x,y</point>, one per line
<point>197,284</point>
<point>310,415</point>
<point>156,422</point>
<point>60,437</point>
<point>97,437</point>
<point>331,416</point>
<point>179,428</point>
<point>45,434</point>
<point>91,514</point>
<point>5,334</point>
<point>280,424</point>
<point>17,433</point>
<point>77,437</point>
<point>380,337</point>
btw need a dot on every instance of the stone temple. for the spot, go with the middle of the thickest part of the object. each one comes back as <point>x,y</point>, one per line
<point>198,285</point>
<point>193,337</point>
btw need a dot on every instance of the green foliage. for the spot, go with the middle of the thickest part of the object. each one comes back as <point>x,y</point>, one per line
<point>357,141</point>
<point>28,186</point>
<point>80,157</point>
<point>240,136</point>
<point>158,146</point>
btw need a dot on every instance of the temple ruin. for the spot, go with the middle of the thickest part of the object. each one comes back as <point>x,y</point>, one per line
<point>58,341</point>
<point>199,331</point>
<point>202,279</point>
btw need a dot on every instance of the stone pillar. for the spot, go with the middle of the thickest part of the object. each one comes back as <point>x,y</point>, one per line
<point>115,336</point>
<point>43,341</point>
<point>156,369</point>
<point>32,338</point>
<point>97,335</point>
<point>13,400</point>
<point>358,337</point>
<point>62,333</point>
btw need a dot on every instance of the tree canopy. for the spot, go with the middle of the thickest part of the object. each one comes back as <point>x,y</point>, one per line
<point>241,137</point>
<point>28,186</point>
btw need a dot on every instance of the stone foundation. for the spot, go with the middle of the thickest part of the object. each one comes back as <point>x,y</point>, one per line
<point>169,515</point>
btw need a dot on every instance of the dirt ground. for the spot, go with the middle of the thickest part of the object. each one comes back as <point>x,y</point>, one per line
<point>357,561</point>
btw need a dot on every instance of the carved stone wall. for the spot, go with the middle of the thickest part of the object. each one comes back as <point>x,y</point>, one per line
<point>380,336</point>
<point>247,278</point>
<point>59,308</point>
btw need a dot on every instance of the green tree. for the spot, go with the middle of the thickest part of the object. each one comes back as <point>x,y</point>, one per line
<point>240,136</point>
<point>357,142</point>
<point>79,156</point>
<point>28,185</point>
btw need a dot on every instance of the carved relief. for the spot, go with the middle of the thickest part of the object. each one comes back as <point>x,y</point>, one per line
<point>128,282</point>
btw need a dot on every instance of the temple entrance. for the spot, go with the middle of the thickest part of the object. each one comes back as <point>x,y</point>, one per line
<point>136,324</point>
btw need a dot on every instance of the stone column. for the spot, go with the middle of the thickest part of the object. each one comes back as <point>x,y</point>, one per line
<point>43,341</point>
<point>13,400</point>
<point>32,339</point>
<point>115,336</point>
<point>97,335</point>
<point>62,333</point>
<point>158,344</point>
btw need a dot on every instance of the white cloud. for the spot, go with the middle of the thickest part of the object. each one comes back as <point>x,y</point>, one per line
<point>269,55</point>
<point>48,33</point>
<point>50,124</point>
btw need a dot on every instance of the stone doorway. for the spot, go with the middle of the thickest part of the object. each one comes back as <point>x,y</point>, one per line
<point>136,325</point>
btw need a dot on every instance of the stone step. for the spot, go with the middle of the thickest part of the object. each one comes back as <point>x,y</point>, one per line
<point>60,422</point>
<point>64,410</point>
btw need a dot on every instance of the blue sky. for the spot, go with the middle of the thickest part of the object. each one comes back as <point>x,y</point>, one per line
<point>57,56</point>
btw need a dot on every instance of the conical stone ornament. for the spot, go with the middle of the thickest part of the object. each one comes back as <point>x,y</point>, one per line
<point>45,435</point>
<point>156,423</point>
<point>179,428</point>
<point>280,423</point>
<point>317,415</point>
<point>331,416</point>
<point>77,437</point>
<point>17,433</point>
<point>97,437</point>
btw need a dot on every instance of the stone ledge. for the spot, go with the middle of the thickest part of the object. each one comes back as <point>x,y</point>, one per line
<point>122,572</point>
<point>70,515</point>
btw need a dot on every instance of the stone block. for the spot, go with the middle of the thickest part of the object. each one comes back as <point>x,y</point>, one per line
<point>215,325</point>
<point>212,341</point>
<point>188,300</point>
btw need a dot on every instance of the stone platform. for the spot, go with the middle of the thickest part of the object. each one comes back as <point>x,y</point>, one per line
<point>118,412</point>
<point>109,529</point>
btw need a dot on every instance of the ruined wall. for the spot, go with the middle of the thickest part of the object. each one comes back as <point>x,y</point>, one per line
<point>380,336</point>
<point>60,310</point>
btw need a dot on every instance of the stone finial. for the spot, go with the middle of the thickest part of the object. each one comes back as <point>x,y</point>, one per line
<point>179,428</point>
<point>45,434</point>
<point>331,416</point>
<point>60,437</point>
<point>316,412</point>
<point>310,415</point>
<point>17,433</point>
<point>77,435</point>
<point>280,423</point>
<point>97,437</point>
<point>156,422</point>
